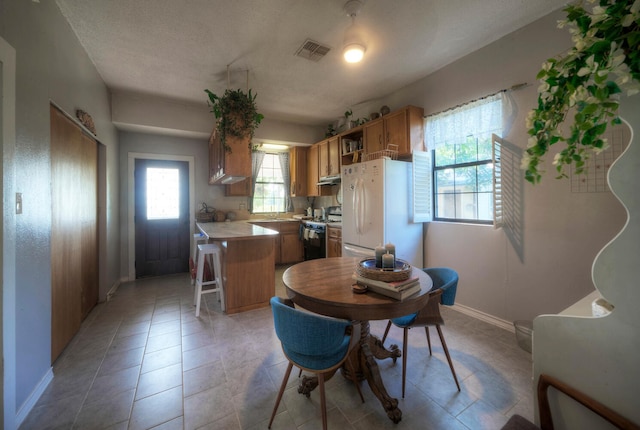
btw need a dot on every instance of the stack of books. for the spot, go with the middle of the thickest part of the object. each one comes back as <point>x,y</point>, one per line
<point>398,290</point>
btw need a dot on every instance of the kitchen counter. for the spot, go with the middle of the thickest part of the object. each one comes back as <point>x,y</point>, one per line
<point>248,262</point>
<point>236,230</point>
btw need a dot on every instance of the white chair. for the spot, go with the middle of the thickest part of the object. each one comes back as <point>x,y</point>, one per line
<point>198,238</point>
<point>209,251</point>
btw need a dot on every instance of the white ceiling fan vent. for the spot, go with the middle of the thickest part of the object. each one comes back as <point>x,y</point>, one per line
<point>312,50</point>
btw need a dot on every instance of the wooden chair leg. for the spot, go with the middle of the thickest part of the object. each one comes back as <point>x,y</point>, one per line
<point>386,332</point>
<point>405,338</point>
<point>282,387</point>
<point>446,352</point>
<point>323,401</point>
<point>426,330</point>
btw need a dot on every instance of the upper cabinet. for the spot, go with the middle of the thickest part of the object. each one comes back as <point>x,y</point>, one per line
<point>329,153</point>
<point>334,156</point>
<point>313,173</point>
<point>239,189</point>
<point>229,166</point>
<point>298,171</point>
<point>404,128</point>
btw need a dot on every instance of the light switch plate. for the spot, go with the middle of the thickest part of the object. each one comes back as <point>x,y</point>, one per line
<point>18,203</point>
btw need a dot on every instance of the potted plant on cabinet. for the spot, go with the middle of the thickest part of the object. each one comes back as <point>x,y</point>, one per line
<point>236,114</point>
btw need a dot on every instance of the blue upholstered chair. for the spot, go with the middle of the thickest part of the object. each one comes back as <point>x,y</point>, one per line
<point>314,343</point>
<point>445,284</point>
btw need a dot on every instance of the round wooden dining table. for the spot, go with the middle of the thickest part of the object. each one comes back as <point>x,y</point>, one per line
<point>324,286</point>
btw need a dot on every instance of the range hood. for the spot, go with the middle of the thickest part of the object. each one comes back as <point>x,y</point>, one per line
<point>329,180</point>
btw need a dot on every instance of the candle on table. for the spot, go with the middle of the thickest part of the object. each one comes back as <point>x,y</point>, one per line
<point>388,261</point>
<point>379,253</point>
<point>391,249</point>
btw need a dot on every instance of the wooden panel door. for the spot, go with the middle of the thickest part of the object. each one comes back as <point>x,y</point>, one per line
<point>239,189</point>
<point>74,240</point>
<point>298,171</point>
<point>334,155</point>
<point>373,136</point>
<point>312,171</point>
<point>396,128</point>
<point>323,156</point>
<point>162,239</point>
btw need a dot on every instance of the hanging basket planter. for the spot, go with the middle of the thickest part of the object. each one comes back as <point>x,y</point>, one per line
<point>236,115</point>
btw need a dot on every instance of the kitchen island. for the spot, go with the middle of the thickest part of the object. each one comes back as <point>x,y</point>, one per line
<point>248,265</point>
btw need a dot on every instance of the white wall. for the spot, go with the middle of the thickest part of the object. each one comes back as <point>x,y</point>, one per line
<point>51,66</point>
<point>549,267</point>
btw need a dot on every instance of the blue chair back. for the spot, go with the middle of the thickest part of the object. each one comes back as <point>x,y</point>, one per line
<point>446,279</point>
<point>311,341</point>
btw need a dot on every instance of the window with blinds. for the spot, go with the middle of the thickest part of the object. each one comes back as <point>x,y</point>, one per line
<point>464,170</point>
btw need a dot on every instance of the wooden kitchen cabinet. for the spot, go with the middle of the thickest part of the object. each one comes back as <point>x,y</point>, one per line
<point>291,247</point>
<point>313,173</point>
<point>298,171</point>
<point>404,128</point>
<point>288,246</point>
<point>226,167</point>
<point>329,155</point>
<point>373,136</point>
<point>334,241</point>
<point>239,189</point>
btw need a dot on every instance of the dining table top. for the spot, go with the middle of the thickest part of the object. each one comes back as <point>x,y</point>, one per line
<point>324,286</point>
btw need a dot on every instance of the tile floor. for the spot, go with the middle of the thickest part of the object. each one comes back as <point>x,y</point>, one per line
<point>143,360</point>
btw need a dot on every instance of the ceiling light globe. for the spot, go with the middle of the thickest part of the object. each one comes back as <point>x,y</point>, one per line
<point>353,52</point>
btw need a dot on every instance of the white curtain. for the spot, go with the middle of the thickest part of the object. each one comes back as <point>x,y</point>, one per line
<point>479,118</point>
<point>283,157</point>
<point>256,163</point>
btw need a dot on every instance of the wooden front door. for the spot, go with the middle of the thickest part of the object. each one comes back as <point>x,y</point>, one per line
<point>161,217</point>
<point>74,239</point>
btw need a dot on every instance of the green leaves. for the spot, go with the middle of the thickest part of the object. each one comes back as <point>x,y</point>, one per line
<point>585,83</point>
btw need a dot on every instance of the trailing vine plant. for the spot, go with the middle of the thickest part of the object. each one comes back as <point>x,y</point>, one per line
<point>236,114</point>
<point>586,82</point>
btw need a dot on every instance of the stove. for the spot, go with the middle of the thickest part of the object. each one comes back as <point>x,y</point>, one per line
<point>314,233</point>
<point>333,216</point>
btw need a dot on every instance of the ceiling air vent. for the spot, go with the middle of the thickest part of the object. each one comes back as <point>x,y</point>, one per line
<point>312,50</point>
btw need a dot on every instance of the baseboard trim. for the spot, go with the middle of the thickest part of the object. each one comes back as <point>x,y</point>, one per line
<point>498,322</point>
<point>115,287</point>
<point>33,398</point>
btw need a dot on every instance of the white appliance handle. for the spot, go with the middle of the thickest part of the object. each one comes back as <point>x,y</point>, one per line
<point>355,199</point>
<point>357,205</point>
<point>361,206</point>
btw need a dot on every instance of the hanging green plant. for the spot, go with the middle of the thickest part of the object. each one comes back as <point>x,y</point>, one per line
<point>236,114</point>
<point>586,82</point>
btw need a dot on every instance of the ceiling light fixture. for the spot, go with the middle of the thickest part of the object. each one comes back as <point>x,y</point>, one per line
<point>354,46</point>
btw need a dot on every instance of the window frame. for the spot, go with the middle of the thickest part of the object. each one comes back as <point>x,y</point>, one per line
<point>283,200</point>
<point>434,194</point>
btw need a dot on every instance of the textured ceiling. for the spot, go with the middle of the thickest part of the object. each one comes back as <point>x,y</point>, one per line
<point>176,49</point>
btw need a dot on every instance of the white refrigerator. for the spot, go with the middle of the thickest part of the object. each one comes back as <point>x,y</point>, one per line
<point>377,209</point>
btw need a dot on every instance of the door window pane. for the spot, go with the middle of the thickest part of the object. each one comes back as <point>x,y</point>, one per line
<point>163,193</point>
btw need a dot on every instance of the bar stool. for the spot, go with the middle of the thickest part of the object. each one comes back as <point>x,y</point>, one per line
<point>198,238</point>
<point>204,251</point>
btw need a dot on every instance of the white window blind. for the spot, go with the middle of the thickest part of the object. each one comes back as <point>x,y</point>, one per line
<point>496,144</point>
<point>422,187</point>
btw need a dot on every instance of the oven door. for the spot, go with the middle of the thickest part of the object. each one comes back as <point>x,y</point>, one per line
<point>314,243</point>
